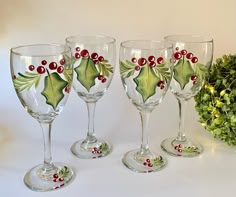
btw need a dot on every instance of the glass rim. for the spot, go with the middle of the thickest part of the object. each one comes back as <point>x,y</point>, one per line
<point>166,45</point>
<point>110,41</point>
<point>66,50</point>
<point>186,38</point>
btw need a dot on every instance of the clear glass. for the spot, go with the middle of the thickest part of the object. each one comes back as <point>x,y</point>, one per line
<point>145,70</point>
<point>94,65</point>
<point>192,59</point>
<point>42,77</point>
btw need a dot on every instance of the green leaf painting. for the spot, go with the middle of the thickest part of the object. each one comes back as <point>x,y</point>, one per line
<point>26,81</point>
<point>162,72</point>
<point>104,68</point>
<point>53,89</point>
<point>127,68</point>
<point>87,73</point>
<point>182,72</point>
<point>146,82</point>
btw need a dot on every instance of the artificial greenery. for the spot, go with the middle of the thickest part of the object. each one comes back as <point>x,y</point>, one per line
<point>216,102</point>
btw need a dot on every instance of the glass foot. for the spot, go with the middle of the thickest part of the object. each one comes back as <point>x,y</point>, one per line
<point>38,179</point>
<point>143,163</point>
<point>90,150</point>
<point>186,148</point>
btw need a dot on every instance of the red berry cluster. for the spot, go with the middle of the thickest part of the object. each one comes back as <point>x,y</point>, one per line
<point>95,57</point>
<point>52,66</point>
<point>179,54</point>
<point>194,79</point>
<point>178,148</point>
<point>160,84</point>
<point>95,150</point>
<point>148,163</point>
<point>152,61</point>
<point>57,178</point>
<point>67,89</point>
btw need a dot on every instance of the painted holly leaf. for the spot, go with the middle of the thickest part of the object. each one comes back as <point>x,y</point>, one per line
<point>26,81</point>
<point>103,147</point>
<point>53,89</point>
<point>63,172</point>
<point>162,72</point>
<point>104,68</point>
<point>182,72</point>
<point>127,68</point>
<point>68,73</point>
<point>146,82</point>
<point>86,73</point>
<point>200,70</point>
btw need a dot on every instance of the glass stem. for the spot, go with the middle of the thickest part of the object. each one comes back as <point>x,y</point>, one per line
<point>91,113</point>
<point>145,116</point>
<point>182,108</point>
<point>46,129</point>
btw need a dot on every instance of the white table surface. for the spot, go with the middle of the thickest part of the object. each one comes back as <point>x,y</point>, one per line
<point>213,173</point>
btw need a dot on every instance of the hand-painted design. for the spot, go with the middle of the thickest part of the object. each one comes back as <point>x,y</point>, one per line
<point>187,68</point>
<point>152,73</point>
<point>54,84</point>
<point>53,89</point>
<point>60,176</point>
<point>153,162</point>
<point>91,67</point>
<point>100,150</point>
<point>187,149</point>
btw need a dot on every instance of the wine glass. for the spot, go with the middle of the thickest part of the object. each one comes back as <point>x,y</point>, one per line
<point>193,57</point>
<point>42,77</point>
<point>145,69</point>
<point>94,63</point>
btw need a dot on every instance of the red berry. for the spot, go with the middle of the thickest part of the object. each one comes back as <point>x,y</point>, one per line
<point>14,77</point>
<point>160,60</point>
<point>99,152</point>
<point>44,62</point>
<point>100,58</point>
<point>137,68</point>
<point>62,61</point>
<point>176,147</point>
<point>100,77</point>
<point>93,152</point>
<point>152,64</point>
<point>142,61</point>
<point>193,77</point>
<point>94,55</point>
<point>189,55</point>
<point>53,65</point>
<point>148,160</point>
<point>104,80</point>
<point>77,48</point>
<point>177,48</point>
<point>84,53</point>
<point>95,148</point>
<point>77,55</point>
<point>183,52</point>
<point>95,61</point>
<point>177,55</point>
<point>134,60</point>
<point>151,58</point>
<point>160,83</point>
<point>61,179</point>
<point>55,180</point>
<point>67,89</point>
<point>41,69</point>
<point>145,163</point>
<point>55,176</point>
<point>150,165</point>
<point>31,67</point>
<point>194,60</point>
<point>60,69</point>
<point>162,87</point>
<point>194,82</point>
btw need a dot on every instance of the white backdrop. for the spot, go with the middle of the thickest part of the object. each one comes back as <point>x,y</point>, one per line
<point>50,21</point>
